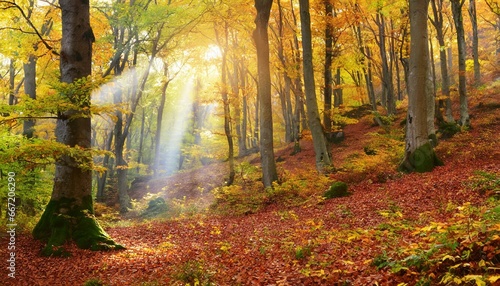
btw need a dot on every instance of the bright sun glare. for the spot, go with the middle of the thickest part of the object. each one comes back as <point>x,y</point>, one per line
<point>212,52</point>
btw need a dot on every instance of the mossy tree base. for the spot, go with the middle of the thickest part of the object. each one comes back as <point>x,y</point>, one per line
<point>65,220</point>
<point>423,159</point>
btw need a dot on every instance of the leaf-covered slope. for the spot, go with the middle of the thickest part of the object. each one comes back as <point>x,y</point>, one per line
<point>404,228</point>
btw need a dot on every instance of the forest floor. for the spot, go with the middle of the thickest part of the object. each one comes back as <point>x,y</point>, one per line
<point>394,228</point>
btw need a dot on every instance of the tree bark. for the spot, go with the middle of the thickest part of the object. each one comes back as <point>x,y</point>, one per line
<point>102,178</point>
<point>475,42</point>
<point>69,213</point>
<point>365,61</point>
<point>319,141</point>
<point>261,37</point>
<point>437,22</point>
<point>338,92</point>
<point>225,102</point>
<point>30,90</point>
<point>419,153</point>
<point>431,106</point>
<point>327,73</point>
<point>387,85</point>
<point>285,93</point>
<point>12,82</point>
<point>244,107</point>
<point>456,8</point>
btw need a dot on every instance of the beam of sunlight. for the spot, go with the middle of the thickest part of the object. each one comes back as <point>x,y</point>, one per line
<point>178,119</point>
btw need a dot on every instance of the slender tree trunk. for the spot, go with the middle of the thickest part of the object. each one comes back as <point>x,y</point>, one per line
<point>12,82</point>
<point>121,163</point>
<point>388,89</point>
<point>431,105</point>
<point>198,118</point>
<point>69,214</point>
<point>235,99</point>
<point>122,127</point>
<point>365,66</point>
<point>244,107</point>
<point>299,117</point>
<point>439,103</point>
<point>369,81</point>
<point>141,140</point>
<point>437,21</point>
<point>338,93</point>
<point>450,65</point>
<point>475,42</point>
<point>323,158</point>
<point>419,155</point>
<point>30,90</point>
<point>227,111</point>
<point>327,73</point>
<point>102,178</point>
<point>497,38</point>
<point>398,78</point>
<point>285,92</point>
<point>159,122</point>
<point>260,34</point>
<point>456,8</point>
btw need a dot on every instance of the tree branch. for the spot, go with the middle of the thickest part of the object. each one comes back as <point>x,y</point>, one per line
<point>16,6</point>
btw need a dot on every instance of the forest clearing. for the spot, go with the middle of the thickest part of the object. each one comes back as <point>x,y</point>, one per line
<point>392,229</point>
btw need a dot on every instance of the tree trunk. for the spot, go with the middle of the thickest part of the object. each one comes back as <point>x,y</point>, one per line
<point>327,73</point>
<point>30,90</point>
<point>319,141</point>
<point>225,102</point>
<point>299,118</point>
<point>365,66</point>
<point>338,93</point>
<point>456,7</point>
<point>69,214</point>
<point>244,107</point>
<point>437,109</point>
<point>450,65</point>
<point>159,121</point>
<point>236,87</point>
<point>12,82</point>
<point>141,141</point>
<point>121,163</point>
<point>437,21</point>
<point>419,153</point>
<point>285,94</point>
<point>102,178</point>
<point>475,42</point>
<point>198,117</point>
<point>497,38</point>
<point>260,34</point>
<point>387,85</point>
<point>431,106</point>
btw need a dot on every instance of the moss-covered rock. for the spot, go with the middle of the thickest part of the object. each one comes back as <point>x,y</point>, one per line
<point>155,207</point>
<point>65,220</point>
<point>448,129</point>
<point>336,190</point>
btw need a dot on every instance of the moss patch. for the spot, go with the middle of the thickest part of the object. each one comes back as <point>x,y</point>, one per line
<point>155,208</point>
<point>336,190</point>
<point>64,220</point>
<point>448,129</point>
